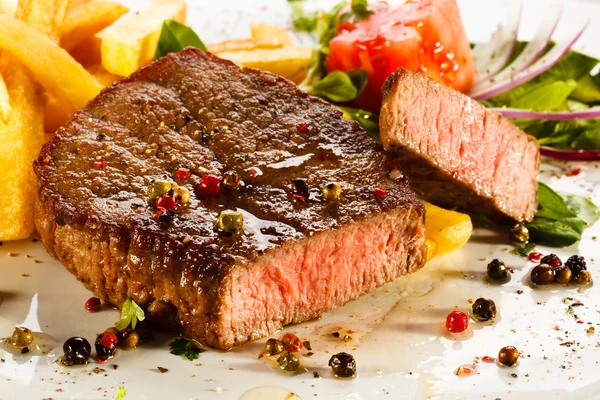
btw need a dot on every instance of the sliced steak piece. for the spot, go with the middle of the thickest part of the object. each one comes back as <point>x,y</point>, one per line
<point>457,153</point>
<point>298,256</point>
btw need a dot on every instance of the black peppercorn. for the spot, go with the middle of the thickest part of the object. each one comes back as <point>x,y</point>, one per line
<point>576,264</point>
<point>496,270</point>
<point>343,365</point>
<point>484,309</point>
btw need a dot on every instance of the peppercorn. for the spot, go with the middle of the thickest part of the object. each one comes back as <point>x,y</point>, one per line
<point>160,188</point>
<point>273,347</point>
<point>562,275</point>
<point>92,305</point>
<point>288,361</point>
<point>497,271</point>
<point>332,191</point>
<point>519,233</point>
<point>552,260</point>
<point>457,321</point>
<point>113,330</point>
<point>230,221</point>
<point>299,186</point>
<point>77,351</point>
<point>181,195</point>
<point>508,356</point>
<point>210,185</point>
<point>106,346</point>
<point>343,365</point>
<point>542,274</point>
<point>231,180</point>
<point>484,309</point>
<point>576,264</point>
<point>128,339</point>
<point>21,337</point>
<point>183,174</point>
<point>291,342</point>
<point>165,202</point>
<point>582,278</point>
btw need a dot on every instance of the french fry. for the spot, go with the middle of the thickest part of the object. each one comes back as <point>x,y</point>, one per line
<point>445,230</point>
<point>5,107</point>
<point>242,45</point>
<point>289,62</point>
<point>46,16</point>
<point>131,43</point>
<point>104,77</point>
<point>84,19</point>
<point>8,7</point>
<point>266,33</point>
<point>56,112</point>
<point>52,66</point>
<point>21,138</point>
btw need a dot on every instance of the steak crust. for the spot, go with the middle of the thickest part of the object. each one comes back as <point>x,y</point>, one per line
<point>294,259</point>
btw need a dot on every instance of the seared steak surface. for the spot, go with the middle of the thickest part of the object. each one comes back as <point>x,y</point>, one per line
<point>294,260</point>
<point>455,151</point>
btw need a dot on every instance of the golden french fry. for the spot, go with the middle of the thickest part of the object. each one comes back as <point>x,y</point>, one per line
<point>84,19</point>
<point>103,76</point>
<point>52,66</point>
<point>8,7</point>
<point>131,43</point>
<point>289,62</point>
<point>46,16</point>
<point>445,230</point>
<point>268,33</point>
<point>242,45</point>
<point>5,107</point>
<point>21,138</point>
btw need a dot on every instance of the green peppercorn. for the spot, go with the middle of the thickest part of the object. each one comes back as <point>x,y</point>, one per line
<point>129,339</point>
<point>508,356</point>
<point>497,271</point>
<point>582,277</point>
<point>542,274</point>
<point>332,191</point>
<point>21,337</point>
<point>181,195</point>
<point>562,275</point>
<point>231,180</point>
<point>484,309</point>
<point>288,361</point>
<point>273,347</point>
<point>519,234</point>
<point>230,221</point>
<point>160,188</point>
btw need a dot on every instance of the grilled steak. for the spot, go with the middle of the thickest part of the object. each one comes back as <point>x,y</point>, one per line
<point>298,254</point>
<point>455,151</point>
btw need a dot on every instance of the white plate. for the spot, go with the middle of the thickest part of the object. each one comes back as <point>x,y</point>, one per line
<point>398,340</point>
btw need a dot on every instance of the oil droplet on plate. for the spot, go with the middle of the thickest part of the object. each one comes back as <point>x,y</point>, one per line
<point>270,393</point>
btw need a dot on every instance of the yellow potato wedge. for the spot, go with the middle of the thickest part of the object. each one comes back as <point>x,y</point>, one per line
<point>46,16</point>
<point>289,62</point>
<point>242,45</point>
<point>131,43</point>
<point>104,77</point>
<point>5,107</point>
<point>445,230</point>
<point>8,7</point>
<point>52,66</point>
<point>21,138</point>
<point>268,33</point>
<point>84,19</point>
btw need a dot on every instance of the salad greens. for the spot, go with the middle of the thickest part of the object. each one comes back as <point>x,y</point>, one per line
<point>186,348</point>
<point>131,313</point>
<point>174,37</point>
<point>339,86</point>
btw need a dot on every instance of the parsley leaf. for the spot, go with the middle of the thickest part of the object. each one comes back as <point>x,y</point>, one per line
<point>174,37</point>
<point>121,393</point>
<point>186,348</point>
<point>131,313</point>
<point>303,21</point>
<point>524,249</point>
<point>360,10</point>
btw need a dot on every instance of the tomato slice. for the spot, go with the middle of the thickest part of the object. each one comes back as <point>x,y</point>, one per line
<point>425,36</point>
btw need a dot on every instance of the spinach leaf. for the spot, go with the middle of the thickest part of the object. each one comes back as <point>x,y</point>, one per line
<point>584,208</point>
<point>174,37</point>
<point>367,120</point>
<point>550,96</point>
<point>562,233</point>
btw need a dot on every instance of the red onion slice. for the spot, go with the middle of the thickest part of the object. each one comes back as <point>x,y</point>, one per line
<point>590,113</point>
<point>534,49</point>
<point>540,66</point>
<point>492,56</point>
<point>566,155</point>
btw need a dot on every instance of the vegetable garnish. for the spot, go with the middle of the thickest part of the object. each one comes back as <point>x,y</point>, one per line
<point>131,313</point>
<point>121,393</point>
<point>561,221</point>
<point>176,36</point>
<point>186,348</point>
<point>339,86</point>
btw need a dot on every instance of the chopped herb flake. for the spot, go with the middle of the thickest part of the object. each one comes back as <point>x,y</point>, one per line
<point>186,348</point>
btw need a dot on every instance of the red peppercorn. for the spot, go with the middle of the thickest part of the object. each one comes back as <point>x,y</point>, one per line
<point>457,321</point>
<point>166,203</point>
<point>303,127</point>
<point>574,172</point>
<point>488,359</point>
<point>159,213</point>
<point>254,172</point>
<point>92,305</point>
<point>291,343</point>
<point>379,192</point>
<point>109,340</point>
<point>183,174</point>
<point>210,185</point>
<point>535,256</point>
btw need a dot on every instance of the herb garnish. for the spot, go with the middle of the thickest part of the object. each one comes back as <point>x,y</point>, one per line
<point>121,393</point>
<point>174,37</point>
<point>303,21</point>
<point>339,86</point>
<point>561,221</point>
<point>131,313</point>
<point>359,10</point>
<point>524,249</point>
<point>186,348</point>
